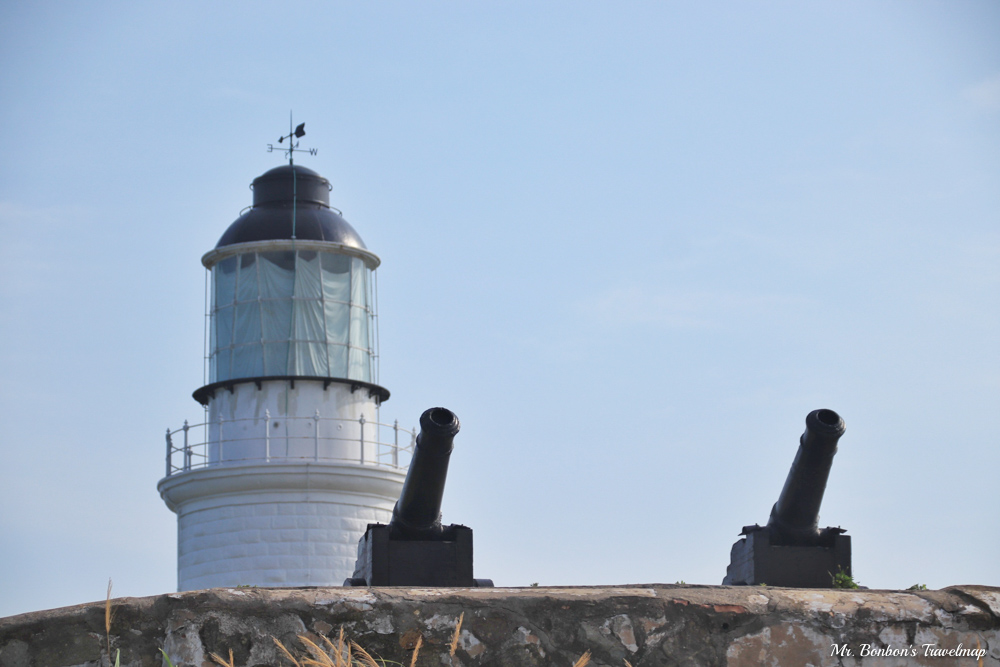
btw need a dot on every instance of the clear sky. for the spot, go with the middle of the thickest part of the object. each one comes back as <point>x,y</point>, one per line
<point>630,244</point>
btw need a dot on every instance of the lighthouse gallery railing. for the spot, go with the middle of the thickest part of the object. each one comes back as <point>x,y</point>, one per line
<point>224,442</point>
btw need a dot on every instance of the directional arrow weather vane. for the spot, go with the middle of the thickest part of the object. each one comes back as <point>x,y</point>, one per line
<point>293,146</point>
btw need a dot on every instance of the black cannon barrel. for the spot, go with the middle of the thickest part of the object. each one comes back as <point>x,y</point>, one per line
<point>418,509</point>
<point>796,514</point>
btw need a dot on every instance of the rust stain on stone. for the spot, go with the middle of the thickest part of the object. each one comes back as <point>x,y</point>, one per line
<point>729,609</point>
<point>408,640</point>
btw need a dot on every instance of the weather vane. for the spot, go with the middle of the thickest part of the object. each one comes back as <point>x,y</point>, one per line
<point>293,145</point>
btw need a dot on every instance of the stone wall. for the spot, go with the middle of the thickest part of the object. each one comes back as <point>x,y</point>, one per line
<point>641,626</point>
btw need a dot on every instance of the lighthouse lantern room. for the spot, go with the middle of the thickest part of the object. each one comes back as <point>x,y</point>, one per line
<point>278,484</point>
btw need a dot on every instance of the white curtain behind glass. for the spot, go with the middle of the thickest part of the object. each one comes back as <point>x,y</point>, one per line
<point>302,313</point>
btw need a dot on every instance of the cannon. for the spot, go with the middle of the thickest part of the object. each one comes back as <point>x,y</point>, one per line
<point>791,550</point>
<point>414,549</point>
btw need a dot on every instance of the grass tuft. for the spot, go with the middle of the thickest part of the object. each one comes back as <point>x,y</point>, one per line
<point>221,661</point>
<point>584,659</point>
<point>320,657</point>
<point>365,659</point>
<point>416,651</point>
<point>108,615</point>
<point>286,652</point>
<point>454,638</point>
<point>338,650</point>
<point>843,580</point>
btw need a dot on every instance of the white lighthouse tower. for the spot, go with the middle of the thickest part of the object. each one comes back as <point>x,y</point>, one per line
<point>291,464</point>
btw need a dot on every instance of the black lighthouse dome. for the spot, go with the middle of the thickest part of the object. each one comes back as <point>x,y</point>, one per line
<point>271,217</point>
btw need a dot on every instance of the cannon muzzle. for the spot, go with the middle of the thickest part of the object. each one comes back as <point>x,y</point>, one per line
<point>418,510</point>
<point>795,517</point>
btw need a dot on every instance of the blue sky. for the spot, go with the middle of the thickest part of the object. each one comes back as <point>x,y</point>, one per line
<point>631,245</point>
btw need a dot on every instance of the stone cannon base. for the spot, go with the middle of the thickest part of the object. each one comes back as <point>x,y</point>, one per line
<point>643,625</point>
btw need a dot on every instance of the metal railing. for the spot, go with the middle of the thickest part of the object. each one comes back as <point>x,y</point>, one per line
<point>288,440</point>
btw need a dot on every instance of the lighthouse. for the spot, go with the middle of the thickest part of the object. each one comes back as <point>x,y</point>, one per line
<point>291,463</point>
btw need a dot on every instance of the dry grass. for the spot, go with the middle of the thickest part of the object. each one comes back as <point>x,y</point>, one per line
<point>218,659</point>
<point>365,659</point>
<point>416,651</point>
<point>319,657</point>
<point>108,616</point>
<point>287,653</point>
<point>342,653</point>
<point>333,655</point>
<point>357,656</point>
<point>454,639</point>
<point>338,650</point>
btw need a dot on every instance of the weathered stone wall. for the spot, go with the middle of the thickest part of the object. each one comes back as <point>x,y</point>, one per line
<point>643,625</point>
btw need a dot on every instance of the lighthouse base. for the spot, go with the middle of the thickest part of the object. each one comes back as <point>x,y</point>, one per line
<point>275,525</point>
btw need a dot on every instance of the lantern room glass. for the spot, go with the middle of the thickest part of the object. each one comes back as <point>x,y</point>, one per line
<point>298,313</point>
